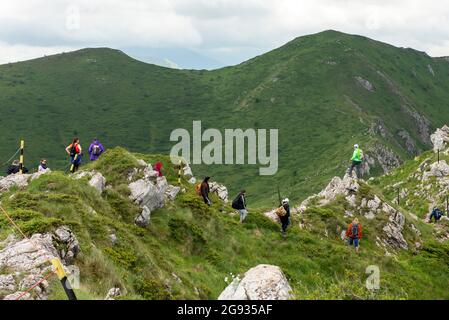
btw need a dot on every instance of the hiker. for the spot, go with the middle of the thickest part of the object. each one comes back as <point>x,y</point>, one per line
<point>354,233</point>
<point>356,159</point>
<point>43,166</point>
<point>204,191</point>
<point>436,213</point>
<point>157,167</point>
<point>239,203</point>
<point>15,168</point>
<point>74,150</point>
<point>285,219</point>
<point>96,149</point>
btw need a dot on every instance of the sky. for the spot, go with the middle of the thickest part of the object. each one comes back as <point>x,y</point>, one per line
<point>196,34</point>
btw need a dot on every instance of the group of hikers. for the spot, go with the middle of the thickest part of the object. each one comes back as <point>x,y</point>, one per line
<point>74,151</point>
<point>96,149</point>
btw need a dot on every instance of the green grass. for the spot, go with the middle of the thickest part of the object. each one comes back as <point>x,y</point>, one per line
<point>103,93</point>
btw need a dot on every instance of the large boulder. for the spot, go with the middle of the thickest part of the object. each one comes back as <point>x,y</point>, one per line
<point>149,194</point>
<point>440,138</point>
<point>264,282</point>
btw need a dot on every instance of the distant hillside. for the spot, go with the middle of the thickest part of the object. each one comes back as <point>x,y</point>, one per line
<point>324,92</point>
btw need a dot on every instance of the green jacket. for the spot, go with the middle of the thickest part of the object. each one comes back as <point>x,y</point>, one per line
<point>357,155</point>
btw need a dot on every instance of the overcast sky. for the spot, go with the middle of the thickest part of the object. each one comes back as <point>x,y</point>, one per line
<point>211,33</point>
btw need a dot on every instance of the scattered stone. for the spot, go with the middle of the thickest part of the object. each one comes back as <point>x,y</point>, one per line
<point>98,182</point>
<point>220,190</point>
<point>440,138</point>
<point>143,219</point>
<point>113,293</point>
<point>365,83</point>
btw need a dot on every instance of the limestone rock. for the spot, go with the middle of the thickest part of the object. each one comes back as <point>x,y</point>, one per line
<point>220,190</point>
<point>437,169</point>
<point>264,282</point>
<point>70,245</point>
<point>98,182</point>
<point>13,180</point>
<point>440,138</point>
<point>113,293</point>
<point>143,219</point>
<point>7,283</point>
<point>171,192</point>
<point>365,83</point>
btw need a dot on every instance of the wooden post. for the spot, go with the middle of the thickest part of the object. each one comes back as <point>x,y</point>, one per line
<point>179,171</point>
<point>447,206</point>
<point>438,155</point>
<point>22,146</point>
<point>399,196</point>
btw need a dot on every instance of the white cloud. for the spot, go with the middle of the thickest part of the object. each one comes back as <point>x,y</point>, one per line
<point>226,30</point>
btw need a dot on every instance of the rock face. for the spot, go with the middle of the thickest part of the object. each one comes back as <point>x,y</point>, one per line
<point>264,282</point>
<point>437,169</point>
<point>220,190</point>
<point>29,261</point>
<point>440,138</point>
<point>98,182</point>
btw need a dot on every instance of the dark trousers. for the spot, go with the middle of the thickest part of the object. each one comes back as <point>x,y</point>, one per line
<point>206,200</point>
<point>356,165</point>
<point>285,221</point>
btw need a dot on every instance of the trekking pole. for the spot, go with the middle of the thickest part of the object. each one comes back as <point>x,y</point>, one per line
<point>279,196</point>
<point>22,146</point>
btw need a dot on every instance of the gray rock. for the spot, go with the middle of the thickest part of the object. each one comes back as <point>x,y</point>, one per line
<point>16,295</point>
<point>113,238</point>
<point>143,219</point>
<point>7,283</point>
<point>437,169</point>
<point>440,138</point>
<point>13,180</point>
<point>98,182</point>
<point>172,192</point>
<point>220,190</point>
<point>149,194</point>
<point>113,293</point>
<point>264,282</point>
<point>364,83</point>
<point>70,245</point>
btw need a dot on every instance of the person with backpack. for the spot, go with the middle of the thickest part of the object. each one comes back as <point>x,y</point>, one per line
<point>436,213</point>
<point>43,166</point>
<point>15,168</point>
<point>203,189</point>
<point>239,204</point>
<point>354,234</point>
<point>96,149</point>
<point>356,159</point>
<point>74,150</point>
<point>285,217</point>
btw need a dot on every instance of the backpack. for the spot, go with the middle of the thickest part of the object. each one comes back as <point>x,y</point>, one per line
<point>73,150</point>
<point>355,230</point>
<point>96,150</point>
<point>281,211</point>
<point>198,189</point>
<point>235,202</point>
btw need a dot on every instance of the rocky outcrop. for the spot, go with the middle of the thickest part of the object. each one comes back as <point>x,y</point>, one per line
<point>264,282</point>
<point>113,293</point>
<point>18,180</point>
<point>143,219</point>
<point>171,192</point>
<point>440,138</point>
<point>437,169</point>
<point>387,159</point>
<point>409,143</point>
<point>364,83</point>
<point>28,261</point>
<point>220,190</point>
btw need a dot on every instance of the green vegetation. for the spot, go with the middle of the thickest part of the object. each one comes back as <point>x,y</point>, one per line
<point>306,88</point>
<point>203,245</point>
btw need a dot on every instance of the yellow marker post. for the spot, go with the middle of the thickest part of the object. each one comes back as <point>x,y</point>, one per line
<point>60,272</point>
<point>179,172</point>
<point>22,146</point>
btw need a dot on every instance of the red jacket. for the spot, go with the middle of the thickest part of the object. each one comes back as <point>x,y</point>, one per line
<point>157,167</point>
<point>349,231</point>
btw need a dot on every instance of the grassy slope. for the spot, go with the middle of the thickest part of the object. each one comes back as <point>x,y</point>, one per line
<point>204,245</point>
<point>104,93</point>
